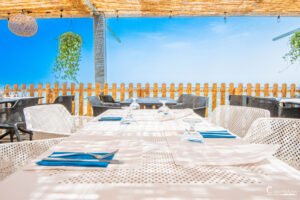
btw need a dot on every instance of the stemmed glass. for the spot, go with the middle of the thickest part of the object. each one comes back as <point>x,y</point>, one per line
<point>191,133</point>
<point>164,109</point>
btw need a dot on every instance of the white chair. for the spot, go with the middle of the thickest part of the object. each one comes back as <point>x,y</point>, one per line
<point>13,156</point>
<point>282,131</point>
<point>236,119</point>
<point>52,120</point>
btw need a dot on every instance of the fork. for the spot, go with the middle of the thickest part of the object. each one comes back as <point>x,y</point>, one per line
<point>99,157</point>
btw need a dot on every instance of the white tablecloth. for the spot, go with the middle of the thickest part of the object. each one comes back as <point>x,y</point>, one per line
<point>149,170</point>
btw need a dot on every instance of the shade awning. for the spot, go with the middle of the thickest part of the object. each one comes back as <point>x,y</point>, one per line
<point>135,8</point>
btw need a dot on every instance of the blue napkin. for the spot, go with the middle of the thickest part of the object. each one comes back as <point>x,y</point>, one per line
<point>92,162</point>
<point>110,119</point>
<point>216,134</point>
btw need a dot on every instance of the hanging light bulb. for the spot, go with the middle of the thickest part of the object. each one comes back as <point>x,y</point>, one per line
<point>23,25</point>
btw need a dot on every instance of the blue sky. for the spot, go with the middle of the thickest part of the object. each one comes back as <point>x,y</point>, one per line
<point>198,49</point>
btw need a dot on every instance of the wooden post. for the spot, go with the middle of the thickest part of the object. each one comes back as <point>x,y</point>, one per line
<point>97,89</point>
<point>155,90</point>
<point>31,90</point>
<point>172,91</point>
<point>7,90</point>
<point>40,92</point>
<point>275,90</point>
<point>106,89</point>
<point>249,89</point>
<point>64,89</point>
<point>293,90</point>
<point>55,91</point>
<point>240,89</point>
<point>257,90</point>
<point>139,90</point>
<point>122,92</point>
<point>214,96</point>
<point>114,90</point>
<point>88,105</point>
<point>81,91</point>
<point>205,92</point>
<point>223,94</point>
<point>189,88</point>
<point>283,90</point>
<point>130,90</point>
<point>197,89</point>
<point>164,90</point>
<point>180,89</point>
<point>231,89</point>
<point>74,94</point>
<point>48,93</point>
<point>266,90</point>
<point>147,90</point>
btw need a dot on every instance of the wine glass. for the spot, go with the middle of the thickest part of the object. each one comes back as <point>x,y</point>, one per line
<point>134,105</point>
<point>191,133</point>
<point>164,109</point>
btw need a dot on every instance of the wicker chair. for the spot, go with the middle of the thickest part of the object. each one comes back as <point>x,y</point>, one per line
<point>270,104</point>
<point>238,100</point>
<point>236,119</point>
<point>66,101</point>
<point>48,121</point>
<point>13,156</point>
<point>107,98</point>
<point>99,107</point>
<point>289,110</point>
<point>282,131</point>
<point>197,103</point>
<point>13,118</point>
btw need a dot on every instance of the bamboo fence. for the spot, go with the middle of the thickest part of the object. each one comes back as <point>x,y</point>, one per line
<point>217,93</point>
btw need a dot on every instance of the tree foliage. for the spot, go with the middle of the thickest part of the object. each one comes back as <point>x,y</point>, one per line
<point>293,55</point>
<point>66,65</point>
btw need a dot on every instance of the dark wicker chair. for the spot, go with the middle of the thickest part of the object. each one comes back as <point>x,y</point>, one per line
<point>66,101</point>
<point>270,104</point>
<point>12,119</point>
<point>107,98</point>
<point>289,110</point>
<point>197,103</point>
<point>238,100</point>
<point>99,107</point>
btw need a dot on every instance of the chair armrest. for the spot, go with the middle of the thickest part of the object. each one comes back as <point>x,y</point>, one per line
<point>200,111</point>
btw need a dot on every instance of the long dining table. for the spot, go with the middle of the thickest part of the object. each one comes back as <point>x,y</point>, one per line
<point>149,169</point>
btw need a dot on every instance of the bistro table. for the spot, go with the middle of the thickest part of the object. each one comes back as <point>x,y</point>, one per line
<point>149,170</point>
<point>150,102</point>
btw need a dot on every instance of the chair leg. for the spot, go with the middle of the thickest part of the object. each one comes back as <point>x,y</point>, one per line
<point>4,135</point>
<point>30,133</point>
<point>11,135</point>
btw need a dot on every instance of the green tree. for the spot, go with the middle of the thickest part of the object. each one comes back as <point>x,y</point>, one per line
<point>66,65</point>
<point>293,55</point>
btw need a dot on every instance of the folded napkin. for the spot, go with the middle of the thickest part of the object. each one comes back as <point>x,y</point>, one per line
<point>216,134</point>
<point>84,160</point>
<point>110,119</point>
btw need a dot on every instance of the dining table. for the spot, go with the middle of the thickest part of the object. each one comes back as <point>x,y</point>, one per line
<point>156,162</point>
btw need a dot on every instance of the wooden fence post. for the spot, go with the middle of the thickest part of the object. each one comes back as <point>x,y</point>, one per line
<point>249,89</point>
<point>266,90</point>
<point>31,90</point>
<point>164,90</point>
<point>172,91</point>
<point>214,96</point>
<point>197,89</point>
<point>257,90</point>
<point>40,92</point>
<point>189,88</point>
<point>114,90</point>
<point>155,90</point>
<point>223,94</point>
<point>97,89</point>
<point>88,105</point>
<point>139,90</point>
<point>122,91</point>
<point>73,92</point>
<point>180,89</point>
<point>293,90</point>
<point>147,90</point>
<point>64,89</point>
<point>275,90</point>
<point>55,91</point>
<point>231,89</point>
<point>283,90</point>
<point>106,89</point>
<point>130,90</point>
<point>81,91</point>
